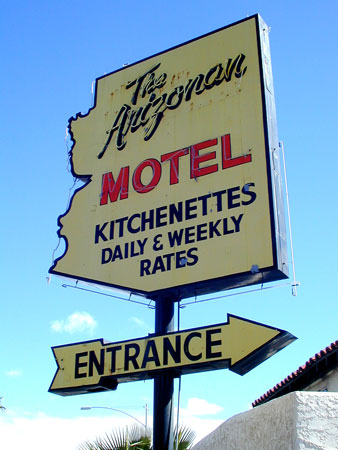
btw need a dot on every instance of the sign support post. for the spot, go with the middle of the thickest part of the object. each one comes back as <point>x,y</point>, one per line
<point>164,382</point>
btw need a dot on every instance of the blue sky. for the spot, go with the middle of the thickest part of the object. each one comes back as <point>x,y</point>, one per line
<point>52,52</point>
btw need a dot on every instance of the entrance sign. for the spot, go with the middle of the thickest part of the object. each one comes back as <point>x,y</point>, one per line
<point>238,344</point>
<point>181,173</point>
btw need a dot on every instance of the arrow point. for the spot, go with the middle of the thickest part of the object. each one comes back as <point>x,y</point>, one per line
<point>251,343</point>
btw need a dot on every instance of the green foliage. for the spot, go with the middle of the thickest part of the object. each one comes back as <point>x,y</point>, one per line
<point>120,439</point>
<point>186,437</point>
<point>134,438</point>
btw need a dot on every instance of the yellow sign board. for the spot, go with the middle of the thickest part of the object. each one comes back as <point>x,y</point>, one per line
<point>176,156</point>
<point>238,344</point>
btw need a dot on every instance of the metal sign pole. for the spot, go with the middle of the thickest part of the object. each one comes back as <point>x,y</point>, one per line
<point>163,383</point>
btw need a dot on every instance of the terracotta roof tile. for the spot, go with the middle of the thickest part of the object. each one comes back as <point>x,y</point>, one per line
<point>312,370</point>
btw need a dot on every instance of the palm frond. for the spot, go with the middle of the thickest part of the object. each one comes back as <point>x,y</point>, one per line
<point>115,440</point>
<point>137,438</point>
<point>87,445</point>
<point>185,436</point>
<point>120,439</point>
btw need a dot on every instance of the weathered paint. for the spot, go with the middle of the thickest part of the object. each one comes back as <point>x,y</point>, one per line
<point>184,140</point>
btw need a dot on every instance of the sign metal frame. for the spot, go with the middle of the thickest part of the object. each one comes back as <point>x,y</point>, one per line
<point>278,269</point>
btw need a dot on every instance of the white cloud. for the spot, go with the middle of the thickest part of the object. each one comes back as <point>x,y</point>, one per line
<point>202,427</point>
<point>200,407</point>
<point>137,321</point>
<point>75,323</point>
<point>55,433</point>
<point>14,373</point>
<point>40,431</point>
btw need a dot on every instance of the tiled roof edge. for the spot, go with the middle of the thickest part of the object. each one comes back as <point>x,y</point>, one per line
<point>276,391</point>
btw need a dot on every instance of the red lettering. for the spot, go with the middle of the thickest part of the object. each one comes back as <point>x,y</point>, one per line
<point>173,157</point>
<point>201,163</point>
<point>157,171</point>
<point>196,159</point>
<point>112,188</point>
<point>227,161</point>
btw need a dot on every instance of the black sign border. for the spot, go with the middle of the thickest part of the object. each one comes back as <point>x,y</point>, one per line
<point>278,271</point>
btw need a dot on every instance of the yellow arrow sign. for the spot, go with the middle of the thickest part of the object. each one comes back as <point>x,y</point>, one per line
<point>92,366</point>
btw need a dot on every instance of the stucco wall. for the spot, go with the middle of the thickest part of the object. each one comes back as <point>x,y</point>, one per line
<point>297,421</point>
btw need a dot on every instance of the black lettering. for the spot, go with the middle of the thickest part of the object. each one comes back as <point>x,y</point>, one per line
<point>201,233</point>
<point>246,191</point>
<point>111,230</point>
<point>79,364</point>
<point>203,199</point>
<point>106,255</point>
<point>147,220</point>
<point>145,267</point>
<point>130,222</point>
<point>141,245</point>
<point>136,121</point>
<point>218,196</point>
<point>175,212</point>
<point>225,227</point>
<point>117,254</point>
<point>149,86</point>
<point>177,92</point>
<point>156,117</point>
<point>190,206</point>
<point>150,116</point>
<point>209,343</point>
<point>99,233</point>
<point>138,81</point>
<point>213,229</point>
<point>113,351</point>
<point>231,65</point>
<point>130,357</point>
<point>168,348</point>
<point>120,143</point>
<point>157,243</point>
<point>232,196</point>
<point>121,223</point>
<point>169,257</point>
<point>193,258</point>
<point>189,234</point>
<point>122,129</point>
<point>161,81</point>
<point>217,80</point>
<point>126,249</point>
<point>237,222</point>
<point>194,84</point>
<point>158,265</point>
<point>175,238</point>
<point>181,260</point>
<point>144,119</point>
<point>161,214</point>
<point>150,354</point>
<point>93,361</point>
<point>187,352</point>
<point>239,61</point>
